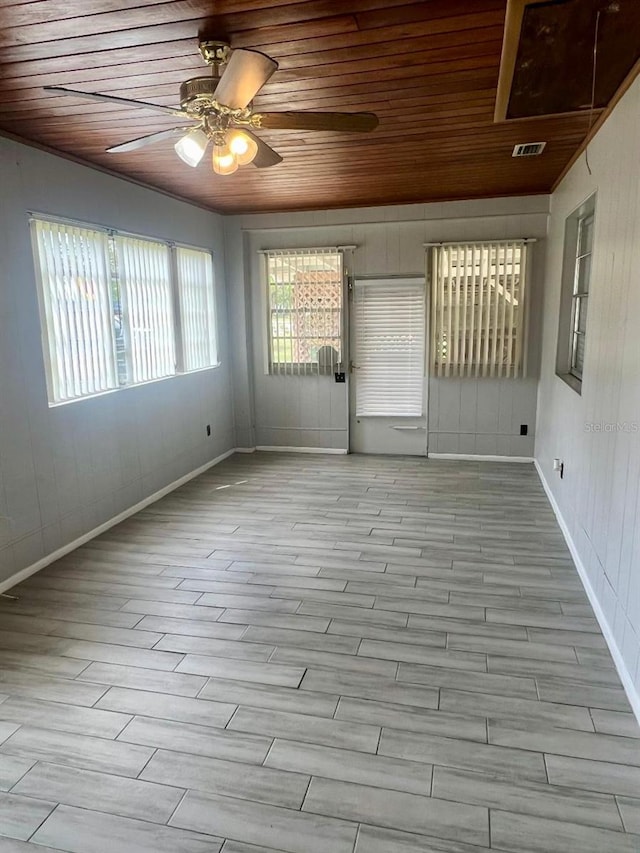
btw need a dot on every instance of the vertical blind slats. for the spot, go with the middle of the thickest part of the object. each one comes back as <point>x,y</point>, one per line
<point>478,309</point>
<point>197,307</point>
<point>107,308</point>
<point>146,280</point>
<point>76,302</point>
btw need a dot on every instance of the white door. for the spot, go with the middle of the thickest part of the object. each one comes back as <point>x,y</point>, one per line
<point>387,387</point>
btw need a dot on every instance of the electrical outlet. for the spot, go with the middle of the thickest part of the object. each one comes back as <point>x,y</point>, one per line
<point>208,429</point>
<point>524,429</point>
<point>339,376</point>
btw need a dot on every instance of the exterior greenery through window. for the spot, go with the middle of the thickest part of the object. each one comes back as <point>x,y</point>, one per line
<point>304,291</point>
<point>119,310</point>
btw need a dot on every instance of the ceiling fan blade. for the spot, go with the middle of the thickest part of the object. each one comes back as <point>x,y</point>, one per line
<point>350,122</point>
<point>141,141</point>
<point>112,99</point>
<point>246,73</point>
<point>266,156</point>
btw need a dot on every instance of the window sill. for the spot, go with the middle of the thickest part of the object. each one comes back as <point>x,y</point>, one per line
<point>572,381</point>
<point>54,404</point>
<point>295,369</point>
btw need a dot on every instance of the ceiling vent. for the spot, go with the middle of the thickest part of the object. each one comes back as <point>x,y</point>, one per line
<point>528,149</point>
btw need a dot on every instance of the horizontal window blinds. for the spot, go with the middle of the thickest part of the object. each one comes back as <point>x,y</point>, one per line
<point>478,309</point>
<point>197,307</point>
<point>389,359</point>
<point>144,278</point>
<point>77,312</point>
<point>304,296</point>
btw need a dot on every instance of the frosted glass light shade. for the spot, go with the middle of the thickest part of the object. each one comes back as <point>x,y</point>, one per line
<point>224,160</point>
<point>191,147</point>
<point>243,146</point>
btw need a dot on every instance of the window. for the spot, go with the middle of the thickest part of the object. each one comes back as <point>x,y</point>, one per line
<point>576,275</point>
<point>581,293</point>
<point>76,309</point>
<point>119,310</point>
<point>478,320</point>
<point>304,293</point>
<point>389,347</point>
<point>145,309</point>
<point>197,307</point>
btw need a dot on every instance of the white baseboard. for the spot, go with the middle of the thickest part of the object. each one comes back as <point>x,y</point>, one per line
<point>23,574</point>
<point>477,457</point>
<point>625,676</point>
<point>245,450</point>
<point>278,449</point>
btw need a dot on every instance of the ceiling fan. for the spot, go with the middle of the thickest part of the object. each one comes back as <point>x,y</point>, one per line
<point>221,106</point>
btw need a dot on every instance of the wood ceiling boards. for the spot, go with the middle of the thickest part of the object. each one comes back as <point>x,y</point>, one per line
<point>428,69</point>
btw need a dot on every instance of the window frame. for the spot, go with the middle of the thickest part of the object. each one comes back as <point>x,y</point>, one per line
<point>300,368</point>
<point>178,310</point>
<point>113,272</point>
<point>571,298</point>
<point>481,327</point>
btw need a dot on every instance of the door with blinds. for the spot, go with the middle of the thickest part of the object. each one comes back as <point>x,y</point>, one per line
<point>387,369</point>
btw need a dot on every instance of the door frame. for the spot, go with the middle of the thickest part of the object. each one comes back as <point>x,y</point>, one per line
<point>349,346</point>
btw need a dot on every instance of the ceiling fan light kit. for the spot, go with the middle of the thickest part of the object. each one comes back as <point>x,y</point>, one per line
<point>224,161</point>
<point>222,106</point>
<point>192,146</point>
<point>243,147</point>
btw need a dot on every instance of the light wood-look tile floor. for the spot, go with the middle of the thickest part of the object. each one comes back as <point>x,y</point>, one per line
<point>318,655</point>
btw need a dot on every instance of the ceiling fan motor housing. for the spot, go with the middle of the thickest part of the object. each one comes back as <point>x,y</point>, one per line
<point>197,94</point>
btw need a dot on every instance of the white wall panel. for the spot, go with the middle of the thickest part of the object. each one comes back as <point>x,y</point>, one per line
<point>599,494</point>
<point>390,241</point>
<point>67,469</point>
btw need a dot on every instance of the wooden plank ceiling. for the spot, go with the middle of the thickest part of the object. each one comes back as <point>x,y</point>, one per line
<point>429,70</point>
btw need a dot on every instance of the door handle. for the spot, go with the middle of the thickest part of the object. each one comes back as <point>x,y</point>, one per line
<point>353,367</point>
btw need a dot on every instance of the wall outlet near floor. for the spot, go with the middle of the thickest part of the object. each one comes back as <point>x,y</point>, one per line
<point>524,429</point>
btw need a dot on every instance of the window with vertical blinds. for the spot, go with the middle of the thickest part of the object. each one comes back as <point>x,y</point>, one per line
<point>389,347</point>
<point>118,310</point>
<point>478,321</point>
<point>197,307</point>
<point>304,296</point>
<point>144,281</point>
<point>76,305</point>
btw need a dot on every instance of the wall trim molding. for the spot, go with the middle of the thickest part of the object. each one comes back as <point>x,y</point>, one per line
<point>478,457</point>
<point>282,449</point>
<point>245,450</point>
<point>625,676</point>
<point>25,573</point>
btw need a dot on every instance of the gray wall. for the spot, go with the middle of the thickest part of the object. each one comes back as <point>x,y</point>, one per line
<point>65,470</point>
<point>598,496</point>
<point>465,416</point>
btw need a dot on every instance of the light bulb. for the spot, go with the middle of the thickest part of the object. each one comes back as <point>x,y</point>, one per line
<point>191,147</point>
<point>224,160</point>
<point>243,146</point>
